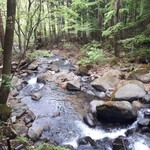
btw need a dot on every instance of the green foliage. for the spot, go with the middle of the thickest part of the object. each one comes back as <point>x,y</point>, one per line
<point>39,53</point>
<point>92,53</point>
<point>113,29</point>
<point>1,50</point>
<point>68,45</point>
<point>46,145</point>
<point>4,109</point>
<point>132,43</point>
<point>22,140</point>
<point>6,81</point>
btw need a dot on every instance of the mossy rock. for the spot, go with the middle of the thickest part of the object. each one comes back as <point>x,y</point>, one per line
<point>5,112</point>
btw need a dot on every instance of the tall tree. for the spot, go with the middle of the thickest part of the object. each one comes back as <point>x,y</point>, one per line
<point>8,43</point>
<point>1,31</point>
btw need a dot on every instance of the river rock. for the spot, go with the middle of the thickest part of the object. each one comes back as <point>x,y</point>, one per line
<point>147,114</point>
<point>36,96</point>
<point>86,140</point>
<point>87,143</point>
<point>146,98</point>
<point>94,104</point>
<point>145,78</point>
<point>144,122</point>
<point>116,112</point>
<point>105,83</point>
<point>17,83</point>
<point>29,117</point>
<point>55,67</point>
<point>14,92</point>
<point>130,91</point>
<point>33,66</point>
<point>119,143</point>
<point>89,120</point>
<point>19,109</point>
<point>20,129</point>
<point>137,105</point>
<point>34,133</point>
<point>44,77</point>
<point>74,85</point>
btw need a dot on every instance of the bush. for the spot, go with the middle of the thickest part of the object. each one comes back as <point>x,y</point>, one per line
<point>91,53</point>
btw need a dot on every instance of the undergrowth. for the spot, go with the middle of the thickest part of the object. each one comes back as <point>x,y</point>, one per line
<point>39,53</point>
<point>92,53</point>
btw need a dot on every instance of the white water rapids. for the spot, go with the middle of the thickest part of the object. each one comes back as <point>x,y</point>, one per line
<point>98,134</point>
<point>136,143</point>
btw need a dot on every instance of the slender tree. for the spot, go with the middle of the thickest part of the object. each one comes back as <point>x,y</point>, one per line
<point>8,43</point>
<point>1,31</point>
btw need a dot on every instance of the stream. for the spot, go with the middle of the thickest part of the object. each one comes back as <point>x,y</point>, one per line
<point>60,113</point>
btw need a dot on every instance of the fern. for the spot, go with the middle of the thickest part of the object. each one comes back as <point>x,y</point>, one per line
<point>113,29</point>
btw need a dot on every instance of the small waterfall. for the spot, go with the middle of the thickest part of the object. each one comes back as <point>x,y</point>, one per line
<point>32,80</point>
<point>136,141</point>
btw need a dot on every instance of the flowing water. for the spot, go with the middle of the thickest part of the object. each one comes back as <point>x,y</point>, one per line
<point>60,113</point>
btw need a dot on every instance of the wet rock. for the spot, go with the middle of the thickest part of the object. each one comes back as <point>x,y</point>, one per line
<point>105,83</point>
<point>83,70</point>
<point>137,105</point>
<point>87,143</point>
<point>145,78</point>
<point>94,104</point>
<point>63,85</point>
<point>116,112</point>
<point>147,114</point>
<point>130,131</point>
<point>146,98</point>
<point>34,133</point>
<point>104,144</point>
<point>100,94</point>
<point>89,120</point>
<point>43,77</point>
<point>54,68</point>
<point>129,91</point>
<point>146,129</point>
<point>74,85</point>
<point>144,122</point>
<point>46,127</point>
<point>13,119</point>
<point>33,65</point>
<point>56,114</point>
<point>29,117</point>
<point>36,96</point>
<point>87,140</point>
<point>20,129</point>
<point>119,143</point>
<point>15,92</point>
<point>17,83</point>
<point>19,109</point>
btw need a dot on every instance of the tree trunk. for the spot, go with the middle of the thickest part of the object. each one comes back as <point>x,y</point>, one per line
<point>8,43</point>
<point>116,17</point>
<point>1,31</point>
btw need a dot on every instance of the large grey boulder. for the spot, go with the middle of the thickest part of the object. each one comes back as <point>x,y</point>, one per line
<point>94,104</point>
<point>130,91</point>
<point>145,78</point>
<point>105,82</point>
<point>74,85</point>
<point>116,112</point>
<point>34,133</point>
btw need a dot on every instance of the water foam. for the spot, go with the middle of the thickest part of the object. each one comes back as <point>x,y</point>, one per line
<point>32,80</point>
<point>97,134</point>
<point>140,145</point>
